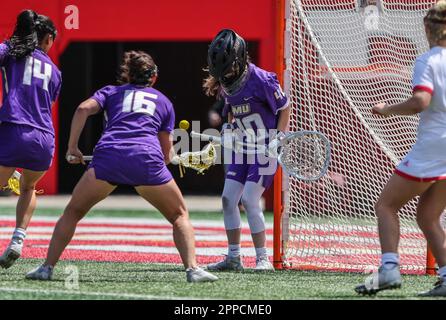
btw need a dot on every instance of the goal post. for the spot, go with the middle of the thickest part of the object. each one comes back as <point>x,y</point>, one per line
<point>278,178</point>
<point>341,57</point>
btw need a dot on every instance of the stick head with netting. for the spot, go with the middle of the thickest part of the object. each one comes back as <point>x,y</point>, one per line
<point>199,161</point>
<point>14,183</point>
<point>305,155</point>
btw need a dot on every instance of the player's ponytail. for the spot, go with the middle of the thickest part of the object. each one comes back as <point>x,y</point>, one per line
<point>211,86</point>
<point>24,39</point>
<point>44,26</point>
<point>138,68</point>
<point>435,20</point>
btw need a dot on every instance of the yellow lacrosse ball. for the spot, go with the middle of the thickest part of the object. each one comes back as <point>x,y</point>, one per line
<point>184,124</point>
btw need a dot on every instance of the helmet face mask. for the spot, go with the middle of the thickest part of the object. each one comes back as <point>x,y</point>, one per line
<point>231,76</point>
<point>227,56</point>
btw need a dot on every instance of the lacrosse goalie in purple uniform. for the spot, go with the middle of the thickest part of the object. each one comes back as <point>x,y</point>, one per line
<point>31,83</point>
<point>133,150</point>
<point>255,104</point>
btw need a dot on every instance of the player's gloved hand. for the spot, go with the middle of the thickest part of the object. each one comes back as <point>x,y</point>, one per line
<point>175,160</point>
<point>75,156</point>
<point>273,146</point>
<point>227,137</point>
<point>226,127</point>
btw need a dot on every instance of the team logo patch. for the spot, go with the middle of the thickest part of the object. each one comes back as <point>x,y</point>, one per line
<point>241,109</point>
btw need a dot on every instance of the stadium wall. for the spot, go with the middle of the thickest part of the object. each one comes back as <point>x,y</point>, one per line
<point>151,20</point>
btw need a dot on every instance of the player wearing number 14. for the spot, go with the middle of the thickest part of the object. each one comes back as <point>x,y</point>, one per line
<point>31,83</point>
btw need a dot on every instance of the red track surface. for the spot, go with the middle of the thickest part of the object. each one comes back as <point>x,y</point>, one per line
<point>37,242</point>
<point>151,242</point>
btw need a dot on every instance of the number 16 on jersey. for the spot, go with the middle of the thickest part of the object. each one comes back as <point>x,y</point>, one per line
<point>139,101</point>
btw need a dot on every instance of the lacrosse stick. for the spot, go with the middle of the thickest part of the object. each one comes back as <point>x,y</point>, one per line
<point>86,158</point>
<point>14,183</point>
<point>202,160</point>
<point>198,161</point>
<point>304,155</point>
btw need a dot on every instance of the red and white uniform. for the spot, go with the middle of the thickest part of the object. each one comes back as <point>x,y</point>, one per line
<point>427,159</point>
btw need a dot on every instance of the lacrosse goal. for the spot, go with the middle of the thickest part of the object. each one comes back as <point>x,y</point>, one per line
<point>341,57</point>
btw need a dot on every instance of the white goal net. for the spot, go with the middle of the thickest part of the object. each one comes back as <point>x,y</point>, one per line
<point>342,57</point>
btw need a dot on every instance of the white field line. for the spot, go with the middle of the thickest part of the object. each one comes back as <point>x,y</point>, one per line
<point>109,230</point>
<point>100,294</point>
<point>112,230</point>
<point>247,252</point>
<point>93,237</point>
<point>294,227</point>
<point>135,221</point>
<point>208,251</point>
<point>122,202</point>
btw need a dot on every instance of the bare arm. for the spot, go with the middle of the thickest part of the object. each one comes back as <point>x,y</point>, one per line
<point>85,109</point>
<point>284,119</point>
<point>166,145</point>
<point>419,101</point>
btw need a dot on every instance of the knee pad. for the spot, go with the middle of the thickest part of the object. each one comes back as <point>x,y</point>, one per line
<point>231,212</point>
<point>228,202</point>
<point>254,212</point>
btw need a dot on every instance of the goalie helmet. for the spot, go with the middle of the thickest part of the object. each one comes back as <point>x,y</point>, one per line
<point>227,53</point>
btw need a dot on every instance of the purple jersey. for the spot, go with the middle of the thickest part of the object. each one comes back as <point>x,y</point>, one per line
<point>256,105</point>
<point>134,114</point>
<point>30,86</point>
<point>129,151</point>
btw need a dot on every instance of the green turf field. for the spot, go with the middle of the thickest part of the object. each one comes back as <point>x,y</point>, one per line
<point>107,280</point>
<point>99,280</point>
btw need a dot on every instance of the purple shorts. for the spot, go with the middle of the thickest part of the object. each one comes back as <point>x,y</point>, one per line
<point>133,165</point>
<point>255,172</point>
<point>25,147</point>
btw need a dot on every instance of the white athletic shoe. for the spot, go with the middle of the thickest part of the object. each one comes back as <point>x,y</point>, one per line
<point>11,254</point>
<point>387,279</point>
<point>228,264</point>
<point>263,264</point>
<point>439,290</point>
<point>42,272</point>
<point>199,275</point>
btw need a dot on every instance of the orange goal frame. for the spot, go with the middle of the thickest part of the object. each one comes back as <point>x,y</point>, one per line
<point>278,183</point>
<point>278,179</point>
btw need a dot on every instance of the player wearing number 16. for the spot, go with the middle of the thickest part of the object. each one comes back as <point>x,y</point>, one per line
<point>133,150</point>
<point>31,83</point>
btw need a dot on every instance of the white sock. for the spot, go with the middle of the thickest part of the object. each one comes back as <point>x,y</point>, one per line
<point>19,235</point>
<point>234,250</point>
<point>261,252</point>
<point>390,259</point>
<point>442,273</point>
